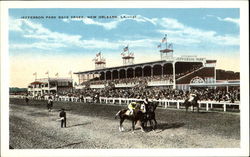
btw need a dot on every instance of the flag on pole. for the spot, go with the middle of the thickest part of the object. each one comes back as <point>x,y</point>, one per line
<point>56,74</point>
<point>47,72</point>
<point>159,46</point>
<point>70,72</point>
<point>170,46</point>
<point>125,49</point>
<point>35,73</point>
<point>98,54</point>
<point>164,39</point>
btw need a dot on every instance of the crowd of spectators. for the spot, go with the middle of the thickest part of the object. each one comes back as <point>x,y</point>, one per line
<point>141,92</point>
<point>135,80</point>
<point>205,94</point>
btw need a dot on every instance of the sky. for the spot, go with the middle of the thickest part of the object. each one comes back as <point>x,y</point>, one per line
<point>63,40</point>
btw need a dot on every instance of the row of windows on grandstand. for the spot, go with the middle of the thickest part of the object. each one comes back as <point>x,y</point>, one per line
<point>52,84</point>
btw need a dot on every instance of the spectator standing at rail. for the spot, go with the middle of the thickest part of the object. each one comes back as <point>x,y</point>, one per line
<point>50,104</point>
<point>27,100</point>
<point>62,116</point>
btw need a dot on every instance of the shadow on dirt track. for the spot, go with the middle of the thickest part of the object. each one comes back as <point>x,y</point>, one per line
<point>164,126</point>
<point>79,124</point>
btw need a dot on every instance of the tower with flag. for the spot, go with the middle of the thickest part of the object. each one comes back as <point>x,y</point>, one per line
<point>127,56</point>
<point>166,49</point>
<point>100,62</point>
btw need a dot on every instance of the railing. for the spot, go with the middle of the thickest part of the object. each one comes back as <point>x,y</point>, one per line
<point>119,85</point>
<point>165,103</point>
<point>80,86</point>
<point>97,86</point>
<point>159,83</point>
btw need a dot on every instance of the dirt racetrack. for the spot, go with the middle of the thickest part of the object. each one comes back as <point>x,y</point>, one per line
<point>92,126</point>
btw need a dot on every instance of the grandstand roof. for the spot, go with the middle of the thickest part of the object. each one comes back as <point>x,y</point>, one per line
<point>122,67</point>
<point>36,82</point>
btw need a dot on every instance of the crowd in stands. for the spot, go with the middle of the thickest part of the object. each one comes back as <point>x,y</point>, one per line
<point>205,94</point>
<point>141,92</point>
<point>135,80</point>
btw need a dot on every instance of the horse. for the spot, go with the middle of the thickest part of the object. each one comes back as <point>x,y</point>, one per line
<point>150,115</point>
<point>193,103</point>
<point>138,115</point>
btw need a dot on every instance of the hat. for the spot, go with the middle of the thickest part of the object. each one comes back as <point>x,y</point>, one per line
<point>62,109</point>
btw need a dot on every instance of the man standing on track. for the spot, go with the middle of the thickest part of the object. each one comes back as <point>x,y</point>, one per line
<point>62,116</point>
<point>50,104</point>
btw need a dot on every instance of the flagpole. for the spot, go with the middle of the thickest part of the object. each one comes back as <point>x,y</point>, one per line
<point>48,83</point>
<point>166,41</point>
<point>70,72</point>
<point>35,75</point>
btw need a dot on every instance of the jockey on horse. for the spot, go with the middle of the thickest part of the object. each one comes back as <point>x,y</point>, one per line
<point>136,105</point>
<point>192,100</point>
<point>135,112</point>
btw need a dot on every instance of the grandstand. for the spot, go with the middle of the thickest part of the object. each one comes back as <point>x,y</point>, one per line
<point>182,72</point>
<point>45,86</point>
<point>175,72</point>
<point>168,78</point>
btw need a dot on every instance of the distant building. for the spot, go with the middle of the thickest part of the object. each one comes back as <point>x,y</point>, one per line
<point>50,86</point>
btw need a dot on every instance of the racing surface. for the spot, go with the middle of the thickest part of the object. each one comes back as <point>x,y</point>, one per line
<point>93,126</point>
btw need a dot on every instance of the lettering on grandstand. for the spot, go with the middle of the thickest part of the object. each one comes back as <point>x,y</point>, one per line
<point>196,80</point>
<point>190,59</point>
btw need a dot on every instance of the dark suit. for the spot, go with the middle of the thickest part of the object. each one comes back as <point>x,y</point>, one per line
<point>63,114</point>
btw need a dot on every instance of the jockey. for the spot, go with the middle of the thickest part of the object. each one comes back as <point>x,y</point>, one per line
<point>131,107</point>
<point>192,96</point>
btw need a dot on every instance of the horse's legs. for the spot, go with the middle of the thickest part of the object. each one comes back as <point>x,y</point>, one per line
<point>133,125</point>
<point>155,125</point>
<point>186,106</point>
<point>151,124</point>
<point>121,127</point>
<point>141,125</point>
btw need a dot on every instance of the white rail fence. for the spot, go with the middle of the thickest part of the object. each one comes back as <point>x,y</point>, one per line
<point>165,103</point>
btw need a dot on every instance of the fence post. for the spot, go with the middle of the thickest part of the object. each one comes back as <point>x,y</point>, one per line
<point>120,101</point>
<point>165,104</point>
<point>211,106</point>
<point>178,105</point>
<point>207,106</point>
<point>192,108</point>
<point>224,107</point>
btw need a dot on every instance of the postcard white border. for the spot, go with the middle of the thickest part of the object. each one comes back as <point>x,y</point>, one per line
<point>244,64</point>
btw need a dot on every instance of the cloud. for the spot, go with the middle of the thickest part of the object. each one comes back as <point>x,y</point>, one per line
<point>46,39</point>
<point>185,35</point>
<point>178,33</point>
<point>115,22</point>
<point>227,19</point>
<point>38,45</point>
